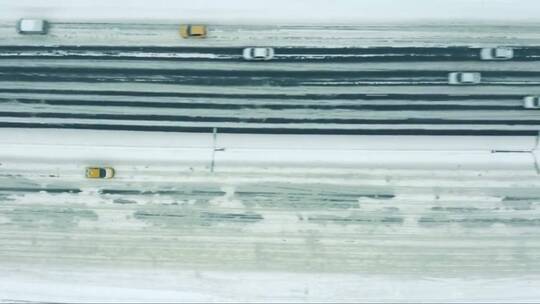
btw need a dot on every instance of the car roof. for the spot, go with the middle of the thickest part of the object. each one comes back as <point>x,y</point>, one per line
<point>31,24</point>
<point>197,29</point>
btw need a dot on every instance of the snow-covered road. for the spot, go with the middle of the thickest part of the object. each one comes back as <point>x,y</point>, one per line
<point>314,92</point>
<point>219,35</point>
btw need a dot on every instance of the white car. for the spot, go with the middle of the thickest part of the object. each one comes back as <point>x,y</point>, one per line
<point>499,53</point>
<point>32,26</point>
<point>464,78</point>
<point>531,102</point>
<point>258,53</point>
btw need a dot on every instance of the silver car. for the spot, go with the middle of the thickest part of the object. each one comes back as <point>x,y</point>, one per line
<point>464,78</point>
<point>531,102</point>
<point>258,53</point>
<point>499,53</point>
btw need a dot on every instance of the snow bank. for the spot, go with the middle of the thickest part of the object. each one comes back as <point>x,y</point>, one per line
<point>93,285</point>
<point>276,11</point>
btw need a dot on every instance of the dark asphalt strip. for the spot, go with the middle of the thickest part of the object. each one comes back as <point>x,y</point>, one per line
<point>277,96</point>
<point>238,58</point>
<point>261,106</point>
<point>258,81</point>
<point>256,78</point>
<point>269,120</point>
<point>139,72</point>
<point>221,81</point>
<point>442,51</point>
<point>281,131</point>
<point>198,54</point>
<point>48,190</point>
<point>282,54</point>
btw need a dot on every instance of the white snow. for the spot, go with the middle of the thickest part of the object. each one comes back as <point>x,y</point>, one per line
<point>69,149</point>
<point>84,284</point>
<point>276,11</point>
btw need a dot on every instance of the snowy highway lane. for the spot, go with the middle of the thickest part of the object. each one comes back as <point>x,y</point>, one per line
<point>406,34</point>
<point>282,54</point>
<point>257,77</point>
<point>153,60</point>
<point>406,95</point>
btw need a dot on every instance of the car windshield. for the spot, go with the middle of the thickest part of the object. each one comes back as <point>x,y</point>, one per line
<point>102,172</point>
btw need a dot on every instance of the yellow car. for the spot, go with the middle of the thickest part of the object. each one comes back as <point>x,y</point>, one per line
<point>99,172</point>
<point>193,31</point>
